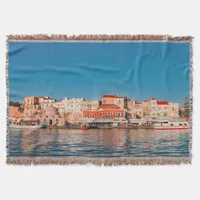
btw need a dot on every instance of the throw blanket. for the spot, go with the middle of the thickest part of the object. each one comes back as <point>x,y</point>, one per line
<point>100,99</point>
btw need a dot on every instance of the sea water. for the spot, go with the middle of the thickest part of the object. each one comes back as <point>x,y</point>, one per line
<point>96,143</point>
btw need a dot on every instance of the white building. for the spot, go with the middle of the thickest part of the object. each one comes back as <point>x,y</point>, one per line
<point>163,109</point>
<point>60,105</point>
<point>73,105</point>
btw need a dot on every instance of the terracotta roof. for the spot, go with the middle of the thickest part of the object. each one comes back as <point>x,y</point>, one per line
<point>112,96</point>
<point>153,99</point>
<point>108,105</point>
<point>162,103</point>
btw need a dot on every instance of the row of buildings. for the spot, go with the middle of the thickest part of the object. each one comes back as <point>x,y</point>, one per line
<point>74,110</point>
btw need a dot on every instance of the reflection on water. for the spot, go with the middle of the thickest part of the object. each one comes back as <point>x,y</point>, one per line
<point>98,143</point>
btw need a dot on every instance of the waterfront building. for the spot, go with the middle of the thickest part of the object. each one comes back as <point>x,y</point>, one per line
<point>163,109</point>
<point>47,102</point>
<point>73,118</point>
<point>159,109</point>
<point>50,116</point>
<point>60,105</point>
<point>146,109</point>
<point>30,106</point>
<point>115,99</point>
<point>112,107</point>
<point>173,110</point>
<point>105,113</point>
<point>90,105</point>
<point>30,102</point>
<point>134,109</point>
<point>73,105</point>
<point>153,108</point>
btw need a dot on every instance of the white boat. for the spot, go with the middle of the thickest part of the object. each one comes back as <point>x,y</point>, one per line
<point>167,125</point>
<point>17,126</point>
<point>27,124</point>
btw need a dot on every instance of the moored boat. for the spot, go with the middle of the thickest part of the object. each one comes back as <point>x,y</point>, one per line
<point>167,125</point>
<point>17,126</point>
<point>27,124</point>
<point>84,128</point>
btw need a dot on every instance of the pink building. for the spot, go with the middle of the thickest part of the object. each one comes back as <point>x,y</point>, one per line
<point>30,101</point>
<point>47,102</point>
<point>30,106</point>
<point>115,99</point>
<point>60,105</point>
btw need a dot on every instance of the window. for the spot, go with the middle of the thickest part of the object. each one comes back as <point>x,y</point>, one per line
<point>122,114</point>
<point>111,114</point>
<point>158,114</point>
<point>137,106</point>
<point>101,114</point>
<point>165,114</point>
<point>95,114</point>
<point>145,108</point>
<point>116,114</point>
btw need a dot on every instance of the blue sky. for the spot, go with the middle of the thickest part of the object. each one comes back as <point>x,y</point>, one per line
<point>138,70</point>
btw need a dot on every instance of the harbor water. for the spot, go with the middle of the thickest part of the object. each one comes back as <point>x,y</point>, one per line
<point>98,143</point>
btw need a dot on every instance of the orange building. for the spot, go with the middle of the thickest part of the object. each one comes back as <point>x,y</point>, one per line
<point>106,111</point>
<point>112,107</point>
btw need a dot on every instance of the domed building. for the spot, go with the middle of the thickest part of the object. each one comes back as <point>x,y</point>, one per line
<point>50,111</point>
<point>50,116</point>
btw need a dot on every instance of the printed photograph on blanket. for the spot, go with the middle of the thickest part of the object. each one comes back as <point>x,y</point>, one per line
<point>100,99</point>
